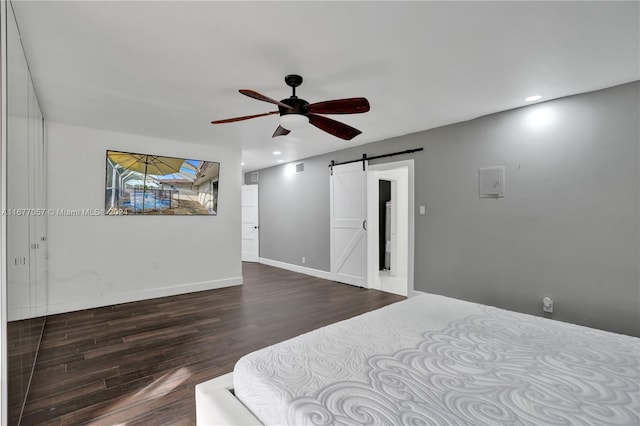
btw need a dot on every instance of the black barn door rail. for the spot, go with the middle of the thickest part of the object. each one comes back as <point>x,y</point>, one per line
<point>365,158</point>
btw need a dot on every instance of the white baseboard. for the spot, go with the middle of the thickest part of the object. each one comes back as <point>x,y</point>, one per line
<point>114,299</point>
<point>417,293</point>
<point>296,268</point>
<point>16,314</point>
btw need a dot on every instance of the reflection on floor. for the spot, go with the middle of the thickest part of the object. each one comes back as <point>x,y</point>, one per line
<point>23,338</point>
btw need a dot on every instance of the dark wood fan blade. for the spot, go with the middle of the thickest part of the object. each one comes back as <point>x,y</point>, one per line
<point>340,106</point>
<point>255,95</point>
<point>334,127</point>
<point>281,131</point>
<point>246,117</point>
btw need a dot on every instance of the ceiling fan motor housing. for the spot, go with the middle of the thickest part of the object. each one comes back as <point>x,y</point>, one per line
<point>295,118</point>
<point>297,106</point>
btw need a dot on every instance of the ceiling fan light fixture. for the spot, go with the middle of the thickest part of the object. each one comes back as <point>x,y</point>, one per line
<point>294,121</point>
<point>296,113</point>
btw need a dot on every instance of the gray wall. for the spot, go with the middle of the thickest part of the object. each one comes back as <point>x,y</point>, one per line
<point>568,227</point>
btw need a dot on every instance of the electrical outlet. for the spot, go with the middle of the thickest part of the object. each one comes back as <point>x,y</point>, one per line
<point>547,305</point>
<point>304,259</point>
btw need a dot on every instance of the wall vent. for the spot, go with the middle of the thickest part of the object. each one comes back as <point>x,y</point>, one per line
<point>254,177</point>
<point>299,167</point>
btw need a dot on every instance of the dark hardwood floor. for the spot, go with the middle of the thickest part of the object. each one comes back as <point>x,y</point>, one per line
<point>137,363</point>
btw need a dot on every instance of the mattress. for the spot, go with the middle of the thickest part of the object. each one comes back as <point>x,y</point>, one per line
<point>436,360</point>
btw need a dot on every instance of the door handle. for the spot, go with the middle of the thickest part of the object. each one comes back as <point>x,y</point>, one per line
<point>364,224</point>
<point>256,227</point>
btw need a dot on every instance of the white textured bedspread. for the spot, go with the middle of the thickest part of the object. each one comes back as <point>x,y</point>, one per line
<point>442,361</point>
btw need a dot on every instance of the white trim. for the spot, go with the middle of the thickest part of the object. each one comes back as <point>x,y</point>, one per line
<point>410,164</point>
<point>296,268</point>
<point>114,299</point>
<point>26,312</point>
<point>417,293</point>
<point>18,313</point>
<point>3,218</point>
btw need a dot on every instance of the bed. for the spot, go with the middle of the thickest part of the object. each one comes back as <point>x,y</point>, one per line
<point>433,360</point>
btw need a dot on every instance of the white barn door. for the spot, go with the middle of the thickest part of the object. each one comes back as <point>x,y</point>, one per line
<point>348,216</point>
<point>250,233</point>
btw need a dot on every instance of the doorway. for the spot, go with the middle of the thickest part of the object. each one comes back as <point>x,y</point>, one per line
<point>390,235</point>
<point>250,227</point>
<point>386,224</point>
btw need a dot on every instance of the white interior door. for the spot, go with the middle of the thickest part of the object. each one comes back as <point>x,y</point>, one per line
<point>348,201</point>
<point>250,226</point>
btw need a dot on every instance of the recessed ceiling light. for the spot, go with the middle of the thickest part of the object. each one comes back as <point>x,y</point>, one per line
<point>280,161</point>
<point>276,153</point>
<point>532,98</point>
<point>242,164</point>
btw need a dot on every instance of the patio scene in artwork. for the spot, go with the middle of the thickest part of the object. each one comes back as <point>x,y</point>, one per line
<point>156,185</point>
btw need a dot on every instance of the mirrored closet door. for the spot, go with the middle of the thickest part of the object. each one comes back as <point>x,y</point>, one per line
<point>26,222</point>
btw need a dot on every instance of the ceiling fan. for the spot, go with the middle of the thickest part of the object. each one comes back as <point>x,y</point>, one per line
<point>296,113</point>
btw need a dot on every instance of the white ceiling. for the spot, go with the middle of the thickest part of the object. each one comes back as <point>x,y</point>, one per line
<point>166,69</point>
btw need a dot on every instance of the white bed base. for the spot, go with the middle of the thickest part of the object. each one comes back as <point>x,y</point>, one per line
<point>217,405</point>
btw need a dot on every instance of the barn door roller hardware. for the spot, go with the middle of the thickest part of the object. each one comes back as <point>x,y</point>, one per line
<point>365,158</point>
